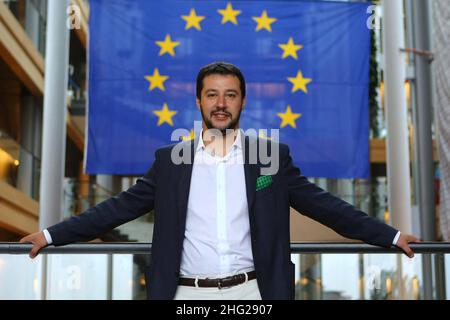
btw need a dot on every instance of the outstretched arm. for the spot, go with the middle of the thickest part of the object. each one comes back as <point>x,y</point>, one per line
<point>335,213</point>
<point>124,207</point>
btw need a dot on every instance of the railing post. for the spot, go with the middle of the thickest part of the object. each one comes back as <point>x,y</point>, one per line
<point>43,275</point>
<point>439,268</point>
<point>110,277</point>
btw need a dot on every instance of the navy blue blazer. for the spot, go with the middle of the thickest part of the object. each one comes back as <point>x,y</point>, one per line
<point>165,188</point>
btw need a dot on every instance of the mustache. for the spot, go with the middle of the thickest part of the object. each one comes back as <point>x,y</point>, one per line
<point>221,110</point>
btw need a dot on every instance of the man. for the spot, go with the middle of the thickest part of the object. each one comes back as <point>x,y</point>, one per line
<point>221,228</point>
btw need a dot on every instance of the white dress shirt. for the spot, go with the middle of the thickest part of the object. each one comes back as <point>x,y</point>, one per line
<point>217,236</point>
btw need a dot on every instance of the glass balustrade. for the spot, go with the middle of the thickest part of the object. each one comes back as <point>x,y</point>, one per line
<point>326,276</point>
<point>18,166</point>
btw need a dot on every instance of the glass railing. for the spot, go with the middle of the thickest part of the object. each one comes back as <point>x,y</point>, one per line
<point>73,277</point>
<point>18,166</point>
<point>138,230</point>
<point>81,195</point>
<point>324,271</point>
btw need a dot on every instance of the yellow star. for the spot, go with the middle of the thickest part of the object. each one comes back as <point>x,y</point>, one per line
<point>290,49</point>
<point>193,20</point>
<point>289,118</point>
<point>165,115</point>
<point>156,80</point>
<point>189,137</point>
<point>299,82</point>
<point>264,22</point>
<point>229,14</point>
<point>262,134</point>
<point>167,46</point>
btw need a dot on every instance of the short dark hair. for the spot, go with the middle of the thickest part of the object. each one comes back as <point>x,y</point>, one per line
<point>222,68</point>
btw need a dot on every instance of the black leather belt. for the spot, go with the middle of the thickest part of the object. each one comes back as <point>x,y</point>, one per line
<point>218,282</point>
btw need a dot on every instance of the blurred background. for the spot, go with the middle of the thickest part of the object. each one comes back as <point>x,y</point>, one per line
<point>407,136</point>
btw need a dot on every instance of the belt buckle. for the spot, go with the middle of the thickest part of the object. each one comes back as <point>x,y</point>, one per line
<point>219,284</point>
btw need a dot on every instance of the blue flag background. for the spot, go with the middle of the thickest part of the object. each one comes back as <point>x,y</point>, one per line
<point>306,66</point>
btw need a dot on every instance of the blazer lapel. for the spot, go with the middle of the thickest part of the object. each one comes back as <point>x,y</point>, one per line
<point>184,187</point>
<point>251,170</point>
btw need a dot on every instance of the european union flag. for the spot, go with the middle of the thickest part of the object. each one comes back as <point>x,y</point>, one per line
<point>306,65</point>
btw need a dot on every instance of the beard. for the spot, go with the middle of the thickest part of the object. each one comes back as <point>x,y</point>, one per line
<point>232,124</point>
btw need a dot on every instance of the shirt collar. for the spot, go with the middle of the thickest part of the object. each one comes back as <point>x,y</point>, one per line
<point>237,142</point>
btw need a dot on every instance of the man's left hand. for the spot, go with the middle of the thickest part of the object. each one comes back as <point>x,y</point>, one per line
<point>403,242</point>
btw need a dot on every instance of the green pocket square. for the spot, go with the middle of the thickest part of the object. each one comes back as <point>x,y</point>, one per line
<point>263,182</point>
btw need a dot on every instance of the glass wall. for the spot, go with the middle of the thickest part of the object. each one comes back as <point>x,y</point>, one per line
<point>32,15</point>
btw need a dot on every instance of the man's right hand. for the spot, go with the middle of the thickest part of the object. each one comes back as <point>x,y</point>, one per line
<point>38,240</point>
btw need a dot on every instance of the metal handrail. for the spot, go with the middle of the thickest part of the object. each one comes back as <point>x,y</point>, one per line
<point>145,248</point>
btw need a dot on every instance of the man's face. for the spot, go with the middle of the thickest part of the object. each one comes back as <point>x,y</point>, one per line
<point>221,102</point>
